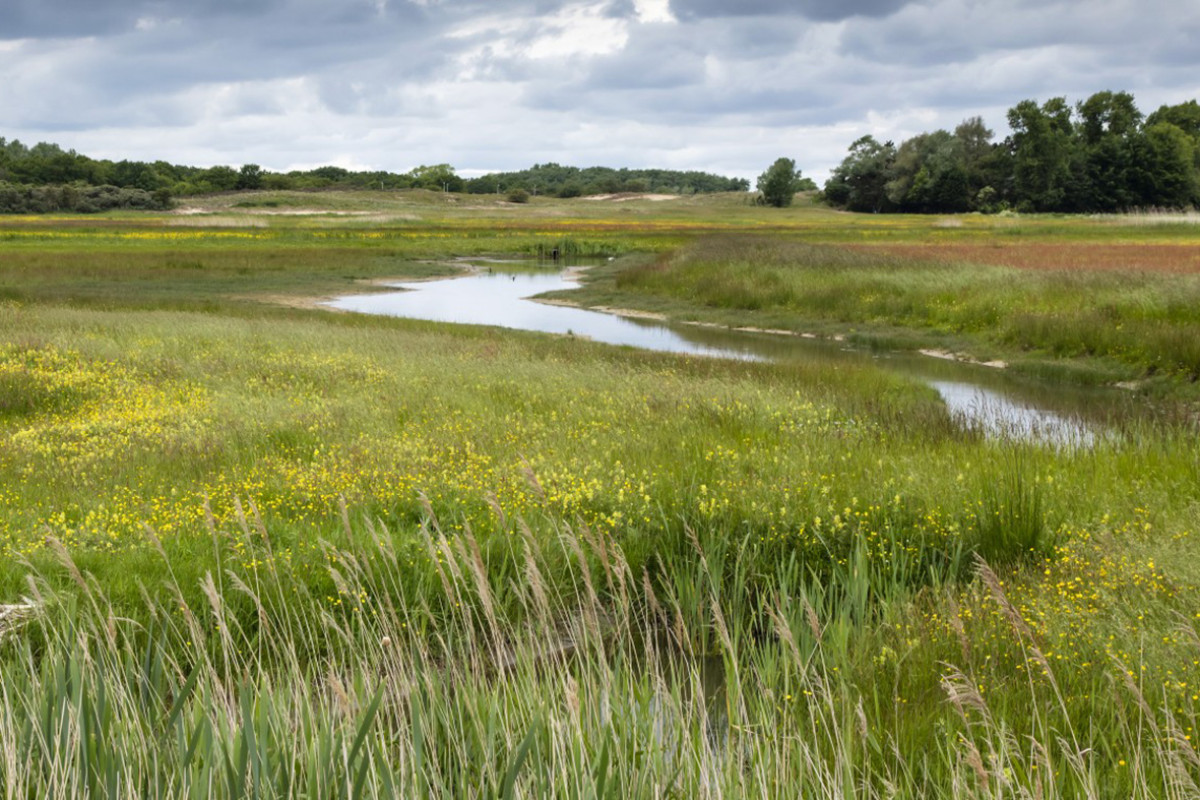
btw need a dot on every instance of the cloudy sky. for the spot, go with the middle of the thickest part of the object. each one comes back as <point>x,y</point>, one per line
<point>719,85</point>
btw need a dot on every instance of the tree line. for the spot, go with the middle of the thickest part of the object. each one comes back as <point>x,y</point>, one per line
<point>45,177</point>
<point>44,165</point>
<point>1099,155</point>
<point>563,181</point>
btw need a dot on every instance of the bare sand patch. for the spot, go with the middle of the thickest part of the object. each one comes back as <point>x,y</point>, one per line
<point>624,197</point>
<point>218,221</point>
<point>946,355</point>
<point>632,313</point>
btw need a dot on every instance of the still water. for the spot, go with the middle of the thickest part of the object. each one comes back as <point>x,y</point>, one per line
<point>499,294</point>
<point>500,297</point>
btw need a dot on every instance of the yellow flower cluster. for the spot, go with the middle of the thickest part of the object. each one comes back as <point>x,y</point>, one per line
<point>119,235</point>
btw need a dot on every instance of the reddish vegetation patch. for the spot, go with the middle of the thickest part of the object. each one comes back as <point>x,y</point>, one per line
<point>1072,256</point>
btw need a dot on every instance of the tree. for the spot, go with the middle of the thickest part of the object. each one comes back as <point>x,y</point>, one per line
<point>1185,117</point>
<point>1043,145</point>
<point>1168,176</point>
<point>135,174</point>
<point>250,176</point>
<point>1111,143</point>
<point>218,179</point>
<point>981,162</point>
<point>859,183</point>
<point>571,188</point>
<point>780,183</point>
<point>928,175</point>
<point>1107,114</point>
<point>439,177</point>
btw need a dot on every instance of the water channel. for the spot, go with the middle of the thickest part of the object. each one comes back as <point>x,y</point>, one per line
<point>499,294</point>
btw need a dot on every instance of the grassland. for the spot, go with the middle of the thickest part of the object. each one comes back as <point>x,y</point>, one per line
<point>1119,312</point>
<point>277,551</point>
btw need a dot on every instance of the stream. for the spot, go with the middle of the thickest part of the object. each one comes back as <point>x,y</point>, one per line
<point>499,294</point>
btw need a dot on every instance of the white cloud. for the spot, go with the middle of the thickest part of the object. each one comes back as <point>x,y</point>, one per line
<point>654,11</point>
<point>502,84</point>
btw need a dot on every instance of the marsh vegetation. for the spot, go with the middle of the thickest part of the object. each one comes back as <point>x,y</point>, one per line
<point>261,549</point>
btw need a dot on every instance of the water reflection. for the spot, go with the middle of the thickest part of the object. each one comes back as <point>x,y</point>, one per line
<point>998,416</point>
<point>500,298</point>
<point>498,295</point>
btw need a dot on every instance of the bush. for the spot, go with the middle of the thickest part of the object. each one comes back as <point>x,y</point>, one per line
<point>518,196</point>
<point>20,199</point>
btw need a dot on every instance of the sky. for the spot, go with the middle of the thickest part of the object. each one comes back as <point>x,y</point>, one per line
<point>491,85</point>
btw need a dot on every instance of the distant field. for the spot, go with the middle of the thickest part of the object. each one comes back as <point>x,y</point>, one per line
<point>252,547</point>
<point>1086,312</point>
<point>1180,257</point>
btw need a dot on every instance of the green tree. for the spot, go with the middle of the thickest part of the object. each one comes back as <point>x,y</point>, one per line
<point>1185,117</point>
<point>1043,147</point>
<point>250,176</point>
<point>859,183</point>
<point>135,174</point>
<point>1108,114</point>
<point>571,188</point>
<point>928,175</point>
<point>1168,176</point>
<point>979,158</point>
<point>1110,139</point>
<point>439,177</point>
<point>218,179</point>
<point>780,183</point>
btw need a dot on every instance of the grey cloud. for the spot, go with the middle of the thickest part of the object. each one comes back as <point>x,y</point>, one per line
<point>21,19</point>
<point>620,9</point>
<point>756,38</point>
<point>701,71</point>
<point>138,74</point>
<point>658,60</point>
<point>315,80</point>
<point>645,74</point>
<point>697,105</point>
<point>959,31</point>
<point>824,10</point>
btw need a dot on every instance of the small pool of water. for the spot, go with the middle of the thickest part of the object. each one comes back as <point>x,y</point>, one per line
<point>498,294</point>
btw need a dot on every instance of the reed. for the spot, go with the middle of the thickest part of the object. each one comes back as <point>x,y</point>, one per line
<point>697,678</point>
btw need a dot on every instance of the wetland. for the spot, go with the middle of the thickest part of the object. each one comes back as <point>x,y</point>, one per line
<point>257,548</point>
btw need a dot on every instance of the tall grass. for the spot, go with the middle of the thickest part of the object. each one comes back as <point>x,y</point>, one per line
<point>700,677</point>
<point>1142,322</point>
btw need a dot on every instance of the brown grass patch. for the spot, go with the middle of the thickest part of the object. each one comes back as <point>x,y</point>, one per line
<point>1176,258</point>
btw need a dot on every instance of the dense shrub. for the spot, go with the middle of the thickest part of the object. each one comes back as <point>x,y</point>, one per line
<point>19,199</point>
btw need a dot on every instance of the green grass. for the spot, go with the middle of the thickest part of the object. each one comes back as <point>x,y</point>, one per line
<point>286,552</point>
<point>498,682</point>
<point>1106,326</point>
<point>138,416</point>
